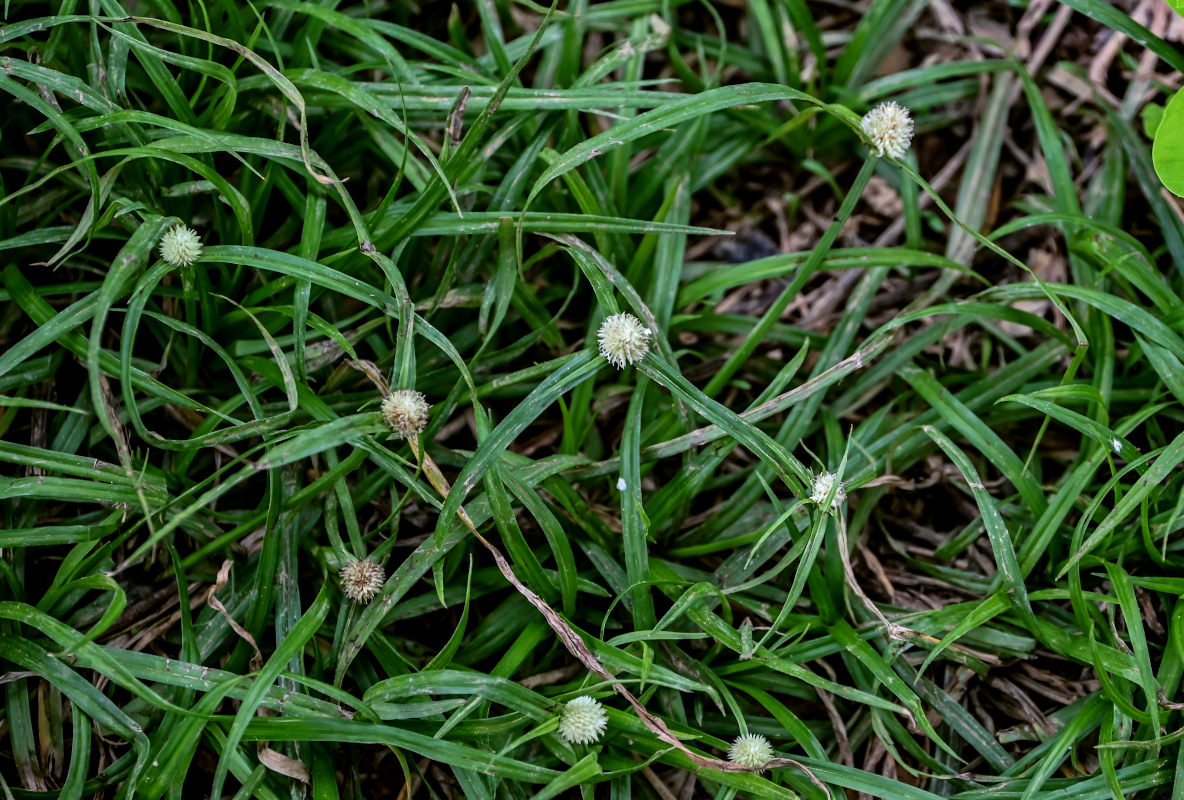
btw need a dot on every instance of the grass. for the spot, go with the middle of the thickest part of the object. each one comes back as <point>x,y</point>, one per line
<point>984,341</point>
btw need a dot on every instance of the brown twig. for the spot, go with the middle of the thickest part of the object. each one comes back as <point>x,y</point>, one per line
<point>575,645</point>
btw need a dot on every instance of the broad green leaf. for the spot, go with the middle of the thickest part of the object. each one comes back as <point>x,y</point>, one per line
<point>1167,151</point>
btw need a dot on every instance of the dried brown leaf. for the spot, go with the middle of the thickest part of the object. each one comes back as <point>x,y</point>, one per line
<point>216,604</point>
<point>278,762</point>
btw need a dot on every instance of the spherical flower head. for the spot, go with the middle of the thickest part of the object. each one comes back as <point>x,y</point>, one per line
<point>406,411</point>
<point>750,750</point>
<point>890,127</point>
<point>823,483</point>
<point>362,580</point>
<point>623,340</point>
<point>582,720</point>
<point>180,246</point>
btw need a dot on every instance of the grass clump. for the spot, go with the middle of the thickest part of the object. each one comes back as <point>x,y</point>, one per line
<point>883,475</point>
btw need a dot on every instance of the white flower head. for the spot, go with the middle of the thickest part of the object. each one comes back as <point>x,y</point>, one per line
<point>180,246</point>
<point>362,580</point>
<point>750,750</point>
<point>623,340</point>
<point>890,127</point>
<point>823,483</point>
<point>582,720</point>
<point>406,411</point>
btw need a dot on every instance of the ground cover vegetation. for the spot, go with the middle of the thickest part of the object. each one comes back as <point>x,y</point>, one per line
<point>318,480</point>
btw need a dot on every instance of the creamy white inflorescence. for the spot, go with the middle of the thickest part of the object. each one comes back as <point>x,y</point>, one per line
<point>362,580</point>
<point>623,340</point>
<point>823,483</point>
<point>582,720</point>
<point>180,246</point>
<point>406,411</point>
<point>750,750</point>
<point>890,127</point>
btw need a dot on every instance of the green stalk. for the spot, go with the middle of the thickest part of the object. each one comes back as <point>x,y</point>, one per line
<point>762,328</point>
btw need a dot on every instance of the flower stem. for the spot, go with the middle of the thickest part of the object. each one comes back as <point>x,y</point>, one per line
<point>762,328</point>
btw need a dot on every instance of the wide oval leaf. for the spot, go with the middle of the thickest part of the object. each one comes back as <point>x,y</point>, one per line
<point>1167,153</point>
